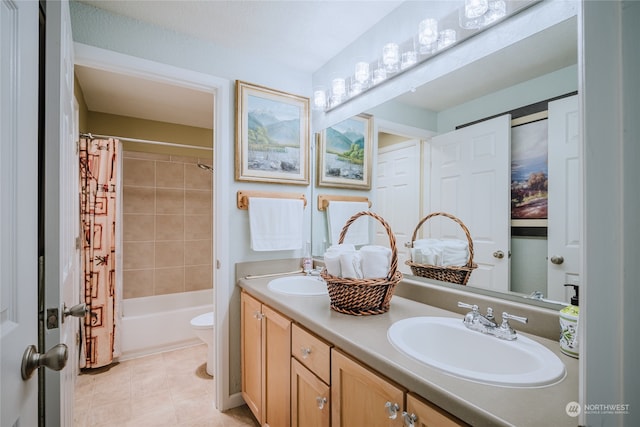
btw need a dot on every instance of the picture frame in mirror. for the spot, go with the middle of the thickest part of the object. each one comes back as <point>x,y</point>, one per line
<point>345,152</point>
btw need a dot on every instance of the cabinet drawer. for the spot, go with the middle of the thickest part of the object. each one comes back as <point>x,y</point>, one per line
<point>311,352</point>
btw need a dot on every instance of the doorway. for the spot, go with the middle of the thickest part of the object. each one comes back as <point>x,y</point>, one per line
<point>136,71</point>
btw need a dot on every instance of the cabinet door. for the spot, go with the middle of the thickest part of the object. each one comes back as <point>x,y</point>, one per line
<point>251,353</point>
<point>359,397</point>
<point>276,341</point>
<point>310,399</point>
<point>425,414</point>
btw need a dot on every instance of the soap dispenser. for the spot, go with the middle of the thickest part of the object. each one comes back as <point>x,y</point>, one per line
<point>569,321</point>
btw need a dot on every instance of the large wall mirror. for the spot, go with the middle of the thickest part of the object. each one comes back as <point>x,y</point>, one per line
<point>409,130</point>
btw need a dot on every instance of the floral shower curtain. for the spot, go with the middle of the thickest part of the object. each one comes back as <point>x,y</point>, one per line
<point>98,197</point>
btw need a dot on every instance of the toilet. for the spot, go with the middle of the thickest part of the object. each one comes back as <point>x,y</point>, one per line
<point>202,325</point>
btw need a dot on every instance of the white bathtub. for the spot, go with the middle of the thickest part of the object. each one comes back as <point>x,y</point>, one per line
<point>160,323</point>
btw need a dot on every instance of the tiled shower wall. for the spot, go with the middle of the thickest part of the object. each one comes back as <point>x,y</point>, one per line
<point>167,225</point>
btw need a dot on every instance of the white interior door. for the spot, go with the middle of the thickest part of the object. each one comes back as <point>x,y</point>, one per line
<point>61,209</point>
<point>565,202</point>
<point>19,208</point>
<point>398,195</point>
<point>470,178</point>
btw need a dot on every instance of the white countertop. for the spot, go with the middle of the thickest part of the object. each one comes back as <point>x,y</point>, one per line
<point>365,338</point>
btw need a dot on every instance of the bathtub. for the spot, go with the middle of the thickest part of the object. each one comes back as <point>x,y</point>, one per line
<point>161,323</point>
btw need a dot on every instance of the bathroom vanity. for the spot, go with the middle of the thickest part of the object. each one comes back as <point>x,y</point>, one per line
<point>303,361</point>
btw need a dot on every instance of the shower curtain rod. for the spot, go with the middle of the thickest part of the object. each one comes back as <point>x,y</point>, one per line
<point>145,141</point>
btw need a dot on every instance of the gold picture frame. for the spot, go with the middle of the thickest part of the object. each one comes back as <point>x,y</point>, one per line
<point>272,135</point>
<point>345,153</point>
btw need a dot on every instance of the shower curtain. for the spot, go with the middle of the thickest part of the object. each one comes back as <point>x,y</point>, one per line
<point>98,212</point>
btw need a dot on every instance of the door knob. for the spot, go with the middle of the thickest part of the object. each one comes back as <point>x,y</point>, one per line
<point>498,254</point>
<point>557,260</point>
<point>55,358</point>
<point>78,310</point>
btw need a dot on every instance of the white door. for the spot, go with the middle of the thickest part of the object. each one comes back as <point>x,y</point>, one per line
<point>18,208</point>
<point>565,201</point>
<point>61,205</point>
<point>470,179</point>
<point>398,195</point>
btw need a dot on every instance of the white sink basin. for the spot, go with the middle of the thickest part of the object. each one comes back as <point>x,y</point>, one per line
<point>445,343</point>
<point>299,285</point>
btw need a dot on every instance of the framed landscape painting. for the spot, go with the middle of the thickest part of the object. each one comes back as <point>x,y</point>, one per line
<point>529,171</point>
<point>272,135</point>
<point>344,154</point>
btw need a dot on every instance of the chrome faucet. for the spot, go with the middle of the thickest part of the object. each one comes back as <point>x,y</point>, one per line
<point>486,324</point>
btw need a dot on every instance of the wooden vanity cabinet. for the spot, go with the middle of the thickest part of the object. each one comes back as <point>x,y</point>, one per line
<point>426,414</point>
<point>310,380</point>
<point>360,397</point>
<point>265,362</point>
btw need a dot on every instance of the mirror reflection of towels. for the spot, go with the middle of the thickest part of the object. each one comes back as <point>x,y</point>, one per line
<point>276,224</point>
<point>338,213</point>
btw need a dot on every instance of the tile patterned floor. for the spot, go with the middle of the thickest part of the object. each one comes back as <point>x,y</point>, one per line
<point>169,389</point>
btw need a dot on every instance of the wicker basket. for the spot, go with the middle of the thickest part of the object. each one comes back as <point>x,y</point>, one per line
<point>361,297</point>
<point>451,274</point>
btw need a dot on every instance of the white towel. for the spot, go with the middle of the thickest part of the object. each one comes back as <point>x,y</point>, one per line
<point>275,224</point>
<point>338,213</point>
<point>440,252</point>
<point>376,261</point>
<point>350,265</point>
<point>332,258</point>
<point>454,253</point>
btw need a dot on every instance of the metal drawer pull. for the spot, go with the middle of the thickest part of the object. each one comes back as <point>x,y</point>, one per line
<point>409,419</point>
<point>321,401</point>
<point>392,410</point>
<point>305,351</point>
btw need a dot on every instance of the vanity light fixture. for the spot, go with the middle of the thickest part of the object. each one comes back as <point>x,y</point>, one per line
<point>391,57</point>
<point>427,35</point>
<point>495,10</point>
<point>319,99</point>
<point>433,37</point>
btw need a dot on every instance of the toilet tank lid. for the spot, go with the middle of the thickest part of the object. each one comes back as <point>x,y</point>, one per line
<point>205,319</point>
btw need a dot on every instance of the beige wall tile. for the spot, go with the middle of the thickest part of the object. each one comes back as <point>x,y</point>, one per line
<point>198,277</point>
<point>138,227</point>
<point>138,200</point>
<point>170,227</point>
<point>137,283</point>
<point>169,254</point>
<point>169,280</point>
<point>197,178</point>
<point>197,227</point>
<point>169,175</point>
<point>138,255</point>
<point>139,172</point>
<point>197,252</point>
<point>197,202</point>
<point>169,201</point>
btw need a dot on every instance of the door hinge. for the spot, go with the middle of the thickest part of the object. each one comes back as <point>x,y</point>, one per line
<point>78,243</point>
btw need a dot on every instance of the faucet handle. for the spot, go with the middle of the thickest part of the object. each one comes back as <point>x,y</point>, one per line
<point>506,317</point>
<point>473,307</point>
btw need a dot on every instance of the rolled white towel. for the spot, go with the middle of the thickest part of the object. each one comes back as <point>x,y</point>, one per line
<point>350,265</point>
<point>332,263</point>
<point>454,252</point>
<point>431,255</point>
<point>376,261</point>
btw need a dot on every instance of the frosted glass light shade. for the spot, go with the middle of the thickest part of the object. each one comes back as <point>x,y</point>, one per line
<point>475,8</point>
<point>391,57</point>
<point>362,72</point>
